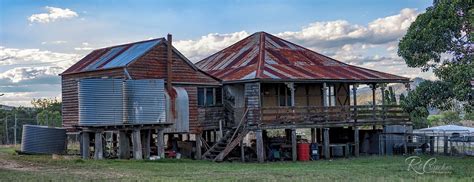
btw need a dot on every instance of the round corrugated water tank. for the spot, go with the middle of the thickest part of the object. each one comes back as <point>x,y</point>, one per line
<point>144,101</point>
<point>100,101</point>
<point>43,140</point>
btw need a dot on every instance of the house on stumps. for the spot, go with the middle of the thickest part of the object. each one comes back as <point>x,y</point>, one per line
<point>270,83</point>
<point>135,95</point>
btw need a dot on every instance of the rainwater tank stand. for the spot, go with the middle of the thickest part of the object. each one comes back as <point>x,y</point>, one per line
<point>140,135</point>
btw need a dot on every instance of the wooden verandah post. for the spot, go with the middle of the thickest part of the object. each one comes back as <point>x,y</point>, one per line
<point>326,130</point>
<point>356,128</point>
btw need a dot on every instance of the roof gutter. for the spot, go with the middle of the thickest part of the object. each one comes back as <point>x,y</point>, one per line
<point>316,81</point>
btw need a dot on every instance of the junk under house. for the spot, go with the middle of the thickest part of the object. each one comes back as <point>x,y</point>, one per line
<point>253,100</point>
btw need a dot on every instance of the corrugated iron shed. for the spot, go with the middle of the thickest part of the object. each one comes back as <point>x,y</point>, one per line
<point>263,56</point>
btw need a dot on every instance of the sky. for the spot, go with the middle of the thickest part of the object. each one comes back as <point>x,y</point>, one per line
<point>40,39</point>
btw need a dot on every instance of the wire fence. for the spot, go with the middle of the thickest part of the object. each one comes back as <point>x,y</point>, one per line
<point>11,129</point>
<point>417,144</point>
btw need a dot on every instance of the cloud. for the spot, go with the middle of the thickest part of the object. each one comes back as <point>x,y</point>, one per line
<point>340,32</point>
<point>52,15</point>
<point>31,73</point>
<point>319,36</point>
<point>28,57</point>
<point>18,74</point>
<point>54,42</point>
<point>208,44</point>
<point>85,47</point>
<point>20,85</point>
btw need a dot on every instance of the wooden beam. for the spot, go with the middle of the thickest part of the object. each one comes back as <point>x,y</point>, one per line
<point>198,146</point>
<point>146,144</point>
<point>137,144</point>
<point>293,145</point>
<point>326,143</point>
<point>160,141</point>
<point>242,150</point>
<point>373,86</point>
<point>356,141</point>
<point>260,149</point>
<point>85,145</point>
<point>98,149</point>
<point>325,101</point>
<point>313,135</point>
<point>354,93</point>
<point>124,145</point>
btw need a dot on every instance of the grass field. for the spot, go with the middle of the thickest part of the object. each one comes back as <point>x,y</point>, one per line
<point>43,168</point>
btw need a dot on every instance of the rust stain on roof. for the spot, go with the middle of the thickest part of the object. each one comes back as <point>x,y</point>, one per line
<point>264,56</point>
<point>113,57</point>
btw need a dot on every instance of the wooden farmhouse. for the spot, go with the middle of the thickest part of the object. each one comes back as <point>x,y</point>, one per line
<point>276,84</point>
<point>234,97</point>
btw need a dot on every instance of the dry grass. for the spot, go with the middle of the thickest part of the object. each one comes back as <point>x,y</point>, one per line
<point>44,168</point>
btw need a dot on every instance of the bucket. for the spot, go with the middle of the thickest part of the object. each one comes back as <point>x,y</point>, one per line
<point>303,151</point>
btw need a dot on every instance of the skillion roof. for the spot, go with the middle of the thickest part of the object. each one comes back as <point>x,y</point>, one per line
<point>262,56</point>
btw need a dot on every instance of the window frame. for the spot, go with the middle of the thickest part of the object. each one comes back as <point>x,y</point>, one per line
<point>204,96</point>
<point>286,95</point>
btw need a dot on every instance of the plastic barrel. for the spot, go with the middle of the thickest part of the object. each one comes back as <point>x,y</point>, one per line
<point>303,151</point>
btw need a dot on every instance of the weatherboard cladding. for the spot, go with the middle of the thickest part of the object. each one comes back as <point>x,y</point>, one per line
<point>150,65</point>
<point>264,56</point>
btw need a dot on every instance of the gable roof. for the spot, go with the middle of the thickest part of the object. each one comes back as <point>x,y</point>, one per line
<point>119,56</point>
<point>113,57</point>
<point>263,56</point>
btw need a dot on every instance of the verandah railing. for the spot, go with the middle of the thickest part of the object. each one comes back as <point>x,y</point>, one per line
<point>335,114</point>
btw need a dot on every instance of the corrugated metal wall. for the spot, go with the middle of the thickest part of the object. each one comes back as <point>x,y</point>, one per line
<point>43,140</point>
<point>181,119</point>
<point>117,101</point>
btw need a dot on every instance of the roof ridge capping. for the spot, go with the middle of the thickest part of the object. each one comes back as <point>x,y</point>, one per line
<point>130,43</point>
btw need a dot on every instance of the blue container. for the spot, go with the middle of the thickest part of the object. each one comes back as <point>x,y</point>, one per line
<point>314,151</point>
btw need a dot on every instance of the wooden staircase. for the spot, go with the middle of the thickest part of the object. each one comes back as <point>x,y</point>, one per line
<point>227,143</point>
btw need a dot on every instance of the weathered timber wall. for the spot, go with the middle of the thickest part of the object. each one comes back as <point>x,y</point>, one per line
<point>207,117</point>
<point>252,99</point>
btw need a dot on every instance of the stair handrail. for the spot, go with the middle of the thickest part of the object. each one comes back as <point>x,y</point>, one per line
<point>238,126</point>
<point>206,145</point>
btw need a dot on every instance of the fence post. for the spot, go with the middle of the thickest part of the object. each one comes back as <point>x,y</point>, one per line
<point>6,128</point>
<point>445,145</point>
<point>432,145</point>
<point>14,131</point>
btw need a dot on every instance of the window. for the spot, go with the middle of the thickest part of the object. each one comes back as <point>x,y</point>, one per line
<point>331,95</point>
<point>200,96</point>
<point>284,95</point>
<point>209,96</point>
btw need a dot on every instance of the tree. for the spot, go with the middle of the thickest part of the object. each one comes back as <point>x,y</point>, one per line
<point>390,98</point>
<point>48,111</point>
<point>427,94</point>
<point>441,39</point>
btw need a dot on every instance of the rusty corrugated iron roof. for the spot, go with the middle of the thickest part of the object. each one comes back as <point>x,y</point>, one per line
<point>113,57</point>
<point>266,57</point>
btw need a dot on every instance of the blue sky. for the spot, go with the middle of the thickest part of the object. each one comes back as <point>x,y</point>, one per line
<point>39,39</point>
